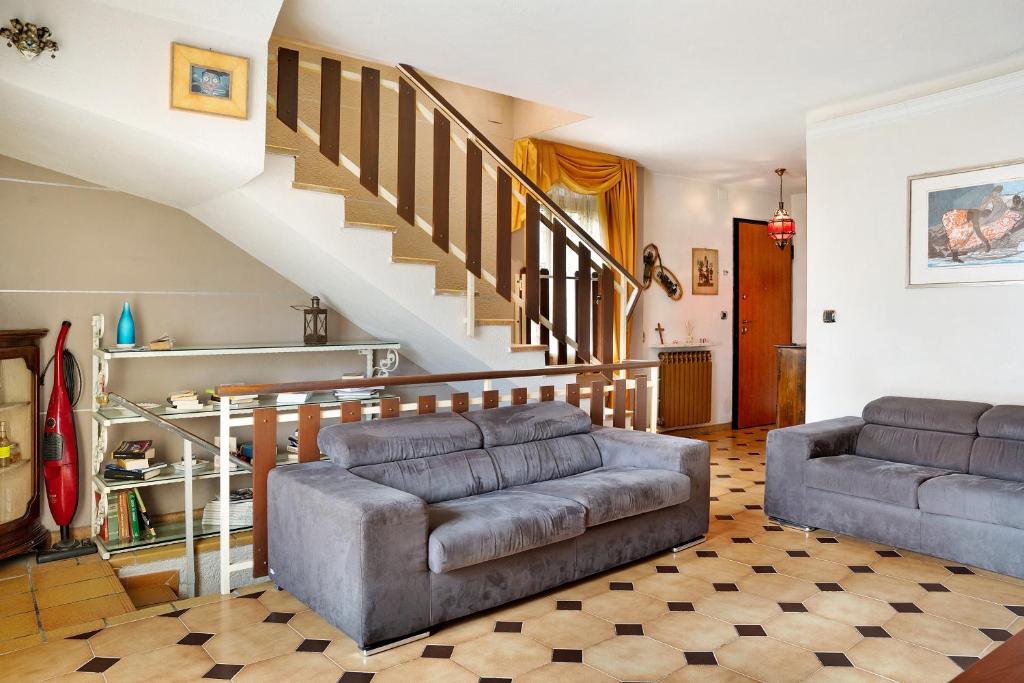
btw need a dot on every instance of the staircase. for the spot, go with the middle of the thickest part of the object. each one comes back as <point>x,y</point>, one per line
<point>382,199</point>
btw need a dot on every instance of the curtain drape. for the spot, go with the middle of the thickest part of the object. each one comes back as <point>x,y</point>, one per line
<point>584,171</point>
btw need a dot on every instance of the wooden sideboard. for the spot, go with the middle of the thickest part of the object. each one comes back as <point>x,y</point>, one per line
<point>792,372</point>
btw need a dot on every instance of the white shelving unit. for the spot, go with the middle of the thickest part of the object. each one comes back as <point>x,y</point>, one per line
<point>381,357</point>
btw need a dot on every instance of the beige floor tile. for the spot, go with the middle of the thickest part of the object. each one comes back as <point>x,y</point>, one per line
<point>144,613</point>
<point>18,625</point>
<point>849,553</point>
<point>426,671</point>
<point>565,673</point>
<point>309,624</point>
<point>501,655</point>
<point>308,667</point>
<point>812,632</point>
<point>843,674</point>
<point>465,629</point>
<point>812,569</point>
<point>78,591</point>
<point>252,643</point>
<point>936,633</point>
<point>676,587</point>
<point>767,659</point>
<point>282,601</point>
<point>75,629</point>
<point>46,567</point>
<point>855,610</point>
<point>882,587</point>
<point>78,677</point>
<point>993,590</point>
<point>706,674</point>
<point>45,661</point>
<point>625,607</point>
<point>225,615</point>
<point>1017,626</point>
<point>691,631</point>
<point>787,540</point>
<point>777,587</point>
<point>83,610</point>
<point>58,576</point>
<point>966,610</point>
<point>137,636</point>
<point>634,658</point>
<point>752,553</point>
<point>168,665</point>
<point>911,569</point>
<point>716,570</point>
<point>902,661</point>
<point>526,609</point>
<point>346,655</point>
<point>18,584</point>
<point>200,600</point>
<point>18,603</point>
<point>581,590</point>
<point>568,629</point>
<point>738,607</point>
<point>255,588</point>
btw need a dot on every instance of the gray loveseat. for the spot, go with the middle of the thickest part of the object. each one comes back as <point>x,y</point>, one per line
<point>419,520</point>
<point>944,478</point>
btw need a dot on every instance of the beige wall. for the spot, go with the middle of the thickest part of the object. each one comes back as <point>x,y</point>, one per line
<point>69,250</point>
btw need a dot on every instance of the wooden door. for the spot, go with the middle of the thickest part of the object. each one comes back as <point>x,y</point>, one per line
<point>764,318</point>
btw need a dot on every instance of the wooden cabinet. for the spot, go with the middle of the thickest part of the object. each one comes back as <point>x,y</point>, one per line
<point>792,391</point>
<point>20,530</point>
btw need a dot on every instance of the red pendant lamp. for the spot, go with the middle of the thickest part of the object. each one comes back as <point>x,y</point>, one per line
<point>781,227</point>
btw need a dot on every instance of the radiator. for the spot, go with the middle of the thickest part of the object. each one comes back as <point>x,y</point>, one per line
<point>684,394</point>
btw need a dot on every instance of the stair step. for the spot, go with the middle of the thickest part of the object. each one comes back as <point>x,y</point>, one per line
<point>452,292</point>
<point>494,321</point>
<point>414,260</point>
<point>320,188</point>
<point>285,151</point>
<point>371,226</point>
<point>524,348</point>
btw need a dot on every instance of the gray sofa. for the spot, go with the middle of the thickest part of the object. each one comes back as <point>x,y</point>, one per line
<point>418,520</point>
<point>945,478</point>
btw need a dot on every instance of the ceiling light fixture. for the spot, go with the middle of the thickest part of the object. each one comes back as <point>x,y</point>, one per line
<point>781,227</point>
<point>29,39</point>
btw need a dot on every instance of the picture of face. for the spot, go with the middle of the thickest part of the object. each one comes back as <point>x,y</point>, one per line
<point>210,83</point>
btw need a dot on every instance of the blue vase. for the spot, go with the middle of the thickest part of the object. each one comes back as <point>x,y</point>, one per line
<point>126,327</point>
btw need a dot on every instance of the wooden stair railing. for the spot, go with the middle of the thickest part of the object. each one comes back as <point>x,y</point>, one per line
<point>589,327</point>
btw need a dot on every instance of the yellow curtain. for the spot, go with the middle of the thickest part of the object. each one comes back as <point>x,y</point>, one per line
<point>593,173</point>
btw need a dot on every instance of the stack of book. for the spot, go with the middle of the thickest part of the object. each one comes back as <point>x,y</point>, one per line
<point>293,447</point>
<point>124,517</point>
<point>357,393</point>
<point>240,401</point>
<point>293,397</point>
<point>132,461</point>
<point>239,510</point>
<point>186,399</point>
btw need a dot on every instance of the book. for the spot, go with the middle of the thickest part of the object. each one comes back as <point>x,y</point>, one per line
<point>142,449</point>
<point>145,523</point>
<point>101,516</point>
<point>132,463</point>
<point>239,509</point>
<point>164,343</point>
<point>114,473</point>
<point>293,397</point>
<point>133,516</point>
<point>124,531</point>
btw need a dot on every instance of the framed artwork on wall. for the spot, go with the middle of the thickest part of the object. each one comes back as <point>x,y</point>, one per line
<point>705,271</point>
<point>209,82</point>
<point>966,226</point>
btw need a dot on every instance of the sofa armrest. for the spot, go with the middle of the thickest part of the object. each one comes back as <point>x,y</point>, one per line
<point>627,448</point>
<point>353,550</point>
<point>787,451</point>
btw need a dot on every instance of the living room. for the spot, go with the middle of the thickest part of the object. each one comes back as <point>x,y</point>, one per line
<point>521,359</point>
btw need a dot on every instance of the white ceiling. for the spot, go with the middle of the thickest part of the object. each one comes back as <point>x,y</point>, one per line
<point>710,89</point>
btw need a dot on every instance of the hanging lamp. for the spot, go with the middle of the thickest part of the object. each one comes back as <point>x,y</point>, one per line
<point>781,227</point>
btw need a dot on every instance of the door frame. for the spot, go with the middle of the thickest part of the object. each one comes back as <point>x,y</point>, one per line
<point>736,307</point>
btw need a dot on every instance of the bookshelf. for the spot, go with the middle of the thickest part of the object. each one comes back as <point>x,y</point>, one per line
<point>380,357</point>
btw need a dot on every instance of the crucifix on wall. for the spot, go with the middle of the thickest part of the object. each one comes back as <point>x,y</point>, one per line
<point>661,333</point>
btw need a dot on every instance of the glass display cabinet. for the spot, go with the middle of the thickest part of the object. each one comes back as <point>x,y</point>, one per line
<point>20,530</point>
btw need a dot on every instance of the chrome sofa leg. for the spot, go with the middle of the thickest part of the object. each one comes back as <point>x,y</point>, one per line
<point>792,525</point>
<point>689,544</point>
<point>377,648</point>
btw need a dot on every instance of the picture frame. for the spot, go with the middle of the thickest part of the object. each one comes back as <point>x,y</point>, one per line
<point>965,226</point>
<point>209,82</point>
<point>705,271</point>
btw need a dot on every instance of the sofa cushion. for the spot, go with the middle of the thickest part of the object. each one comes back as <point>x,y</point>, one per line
<point>437,477</point>
<point>400,438</point>
<point>998,458</point>
<point>529,422</point>
<point>1003,422</point>
<point>611,493</point>
<point>477,529</point>
<point>937,415</point>
<point>852,475</point>
<point>526,463</point>
<point>915,446</point>
<point>972,497</point>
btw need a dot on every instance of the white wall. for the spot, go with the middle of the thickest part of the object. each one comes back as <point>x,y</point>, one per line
<point>797,205</point>
<point>679,214</point>
<point>948,342</point>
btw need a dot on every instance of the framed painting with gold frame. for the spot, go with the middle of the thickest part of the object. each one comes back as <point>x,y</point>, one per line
<point>209,82</point>
<point>705,271</point>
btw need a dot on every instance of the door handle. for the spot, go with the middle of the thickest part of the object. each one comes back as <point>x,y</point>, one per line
<point>743,330</point>
<point>746,322</point>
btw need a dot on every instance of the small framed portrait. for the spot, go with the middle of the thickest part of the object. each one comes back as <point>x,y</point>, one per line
<point>705,271</point>
<point>209,82</point>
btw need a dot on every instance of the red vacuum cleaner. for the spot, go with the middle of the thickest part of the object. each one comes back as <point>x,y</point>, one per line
<point>60,451</point>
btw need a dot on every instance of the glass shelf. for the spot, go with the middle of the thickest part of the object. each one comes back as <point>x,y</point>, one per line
<point>166,533</point>
<point>245,349</point>
<point>170,475</point>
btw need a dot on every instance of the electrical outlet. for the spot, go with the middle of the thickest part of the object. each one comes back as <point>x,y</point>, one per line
<point>725,315</point>
<point>828,316</point>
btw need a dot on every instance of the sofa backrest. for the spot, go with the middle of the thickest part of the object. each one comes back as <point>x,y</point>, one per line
<point>395,439</point>
<point>998,452</point>
<point>920,431</point>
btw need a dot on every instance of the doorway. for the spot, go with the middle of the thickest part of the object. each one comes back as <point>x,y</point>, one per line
<point>762,319</point>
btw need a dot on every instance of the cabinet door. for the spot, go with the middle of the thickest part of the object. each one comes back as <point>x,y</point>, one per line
<point>19,479</point>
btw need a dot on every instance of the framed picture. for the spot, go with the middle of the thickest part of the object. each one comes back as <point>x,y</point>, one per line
<point>705,271</point>
<point>966,227</point>
<point>209,82</point>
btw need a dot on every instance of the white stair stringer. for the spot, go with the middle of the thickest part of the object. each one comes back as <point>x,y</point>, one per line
<point>299,234</point>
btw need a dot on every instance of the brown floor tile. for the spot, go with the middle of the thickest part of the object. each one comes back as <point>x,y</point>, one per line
<point>78,591</point>
<point>501,655</point>
<point>14,586</point>
<point>13,566</point>
<point>18,603</point>
<point>634,658</point>
<point>304,666</point>
<point>767,659</point>
<point>137,636</point>
<point>47,576</point>
<point>902,661</point>
<point>18,625</point>
<point>84,610</point>
<point>45,661</point>
<point>174,663</point>
<point>252,643</point>
<point>21,643</point>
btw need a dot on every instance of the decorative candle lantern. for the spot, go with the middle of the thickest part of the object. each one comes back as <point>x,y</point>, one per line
<point>315,323</point>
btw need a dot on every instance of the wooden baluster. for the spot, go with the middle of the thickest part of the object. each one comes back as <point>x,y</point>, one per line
<point>532,258</point>
<point>390,407</point>
<point>264,459</point>
<point>606,313</point>
<point>583,306</point>
<point>545,308</point>
<point>426,405</point>
<point>351,411</point>
<point>288,87</point>
<point>572,394</point>
<point>547,393</point>
<point>406,152</point>
<point>460,402</point>
<point>640,399</point>
<point>519,396</point>
<point>558,296</point>
<point>369,130</point>
<point>597,402</point>
<point>503,253</point>
<point>309,426</point>
<point>619,404</point>
<point>474,200</point>
<point>490,398</point>
<point>330,108</point>
<point>442,179</point>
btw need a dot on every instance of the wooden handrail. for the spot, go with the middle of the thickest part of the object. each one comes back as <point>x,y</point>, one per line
<point>445,378</point>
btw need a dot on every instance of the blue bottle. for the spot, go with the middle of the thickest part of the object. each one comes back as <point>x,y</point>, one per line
<point>126,327</point>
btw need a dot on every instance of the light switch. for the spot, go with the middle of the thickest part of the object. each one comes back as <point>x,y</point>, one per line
<point>828,316</point>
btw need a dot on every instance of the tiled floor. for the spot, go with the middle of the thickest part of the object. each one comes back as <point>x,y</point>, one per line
<point>754,602</point>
